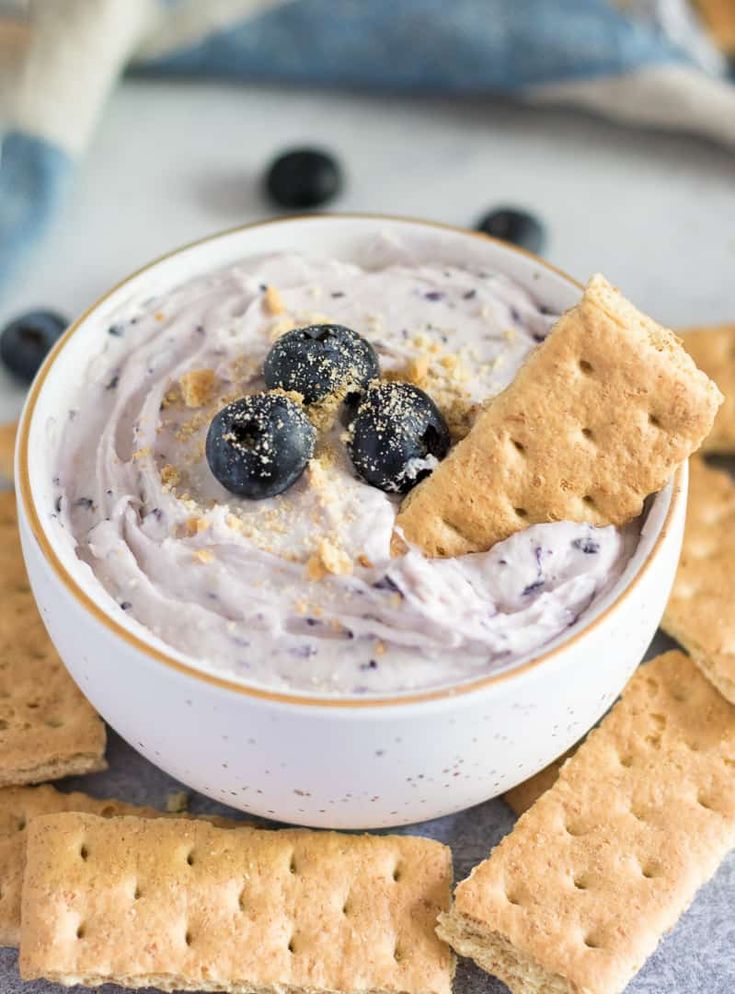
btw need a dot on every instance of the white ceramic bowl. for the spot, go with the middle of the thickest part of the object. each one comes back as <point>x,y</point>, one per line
<point>308,760</point>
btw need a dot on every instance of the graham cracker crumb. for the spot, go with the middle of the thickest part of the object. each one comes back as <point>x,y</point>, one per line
<point>315,568</point>
<point>327,456</point>
<point>195,526</point>
<point>243,367</point>
<point>322,483</point>
<point>204,555</point>
<point>192,426</point>
<point>170,476</point>
<point>324,412</point>
<point>272,301</point>
<point>334,558</point>
<point>329,558</point>
<point>417,368</point>
<point>141,453</point>
<point>235,523</point>
<point>315,472</point>
<point>196,387</point>
<point>172,396</point>
<point>443,378</point>
<point>293,395</point>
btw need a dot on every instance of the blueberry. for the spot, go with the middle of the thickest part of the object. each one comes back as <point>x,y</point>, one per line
<point>25,342</point>
<point>303,177</point>
<point>516,226</point>
<point>259,445</point>
<point>320,360</point>
<point>397,436</point>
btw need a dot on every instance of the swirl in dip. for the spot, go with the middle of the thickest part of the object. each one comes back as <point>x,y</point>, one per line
<point>300,591</point>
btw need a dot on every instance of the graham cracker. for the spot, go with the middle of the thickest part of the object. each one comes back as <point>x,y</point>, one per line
<point>576,898</point>
<point>719,16</point>
<point>18,805</point>
<point>522,797</point>
<point>700,614</point>
<point>181,905</point>
<point>713,350</point>
<point>47,728</point>
<point>7,450</point>
<point>597,418</point>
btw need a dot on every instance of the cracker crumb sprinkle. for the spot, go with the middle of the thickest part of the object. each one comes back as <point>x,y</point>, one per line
<point>195,526</point>
<point>170,476</point>
<point>273,301</point>
<point>328,558</point>
<point>196,387</point>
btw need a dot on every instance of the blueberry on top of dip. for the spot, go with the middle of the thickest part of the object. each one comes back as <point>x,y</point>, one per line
<point>298,590</point>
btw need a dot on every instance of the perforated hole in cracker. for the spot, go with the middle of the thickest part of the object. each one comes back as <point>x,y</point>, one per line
<point>650,869</point>
<point>592,941</point>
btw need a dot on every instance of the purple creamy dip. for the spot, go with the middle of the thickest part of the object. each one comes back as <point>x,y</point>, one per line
<point>299,591</point>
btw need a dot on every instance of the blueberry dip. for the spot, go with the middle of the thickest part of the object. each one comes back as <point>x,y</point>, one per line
<point>294,587</point>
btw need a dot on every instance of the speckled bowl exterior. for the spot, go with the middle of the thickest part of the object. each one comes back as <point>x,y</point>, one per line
<point>339,763</point>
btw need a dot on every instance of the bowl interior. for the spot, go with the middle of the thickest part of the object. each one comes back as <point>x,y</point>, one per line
<point>353,239</point>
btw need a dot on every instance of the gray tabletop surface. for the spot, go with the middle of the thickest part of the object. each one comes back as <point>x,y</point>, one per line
<point>697,957</point>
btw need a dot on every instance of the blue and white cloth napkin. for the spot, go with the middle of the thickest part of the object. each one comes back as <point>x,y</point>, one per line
<point>643,61</point>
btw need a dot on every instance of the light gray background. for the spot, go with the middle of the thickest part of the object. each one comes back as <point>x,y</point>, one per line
<point>654,212</point>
